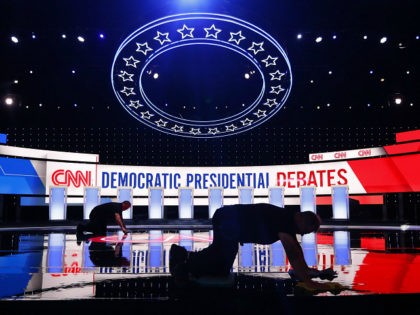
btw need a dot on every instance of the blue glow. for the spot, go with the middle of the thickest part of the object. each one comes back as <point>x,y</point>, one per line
<point>142,47</point>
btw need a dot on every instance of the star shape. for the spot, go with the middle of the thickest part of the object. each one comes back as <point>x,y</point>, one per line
<point>185,34</point>
<point>162,38</point>
<point>128,91</point>
<point>135,104</point>
<point>161,123</point>
<point>246,122</point>
<point>256,47</point>
<point>213,131</point>
<point>195,131</point>
<point>276,89</point>
<point>212,31</point>
<point>231,127</point>
<point>236,37</point>
<point>270,61</point>
<point>276,75</point>
<point>271,102</point>
<point>260,113</point>
<point>143,48</point>
<point>177,128</point>
<point>126,76</point>
<point>146,115</point>
<point>131,62</point>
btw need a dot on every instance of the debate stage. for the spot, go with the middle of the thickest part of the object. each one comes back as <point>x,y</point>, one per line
<point>44,267</point>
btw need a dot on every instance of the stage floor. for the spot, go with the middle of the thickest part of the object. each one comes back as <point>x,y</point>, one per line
<point>379,266</point>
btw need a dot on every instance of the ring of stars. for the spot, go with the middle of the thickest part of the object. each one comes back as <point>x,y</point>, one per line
<point>171,32</point>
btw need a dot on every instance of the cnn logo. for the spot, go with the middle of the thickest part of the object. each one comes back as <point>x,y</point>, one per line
<point>70,178</point>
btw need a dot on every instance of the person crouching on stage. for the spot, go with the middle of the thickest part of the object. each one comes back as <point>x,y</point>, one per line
<point>103,214</point>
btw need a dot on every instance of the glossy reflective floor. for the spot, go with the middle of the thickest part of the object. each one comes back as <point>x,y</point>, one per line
<point>47,266</point>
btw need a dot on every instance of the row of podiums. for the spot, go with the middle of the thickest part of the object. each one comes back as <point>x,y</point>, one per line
<point>156,200</point>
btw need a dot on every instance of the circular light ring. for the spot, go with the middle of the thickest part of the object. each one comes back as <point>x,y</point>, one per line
<point>172,32</point>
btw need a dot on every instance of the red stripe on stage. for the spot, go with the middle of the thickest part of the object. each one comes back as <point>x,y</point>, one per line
<point>408,136</point>
<point>391,174</point>
<point>411,147</point>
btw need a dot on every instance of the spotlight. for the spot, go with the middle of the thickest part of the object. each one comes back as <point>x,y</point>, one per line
<point>101,36</point>
<point>299,36</point>
<point>318,39</point>
<point>63,36</point>
<point>247,76</point>
<point>365,37</point>
<point>33,36</point>
<point>155,75</point>
<point>397,99</point>
<point>81,39</point>
<point>383,40</point>
<point>334,37</point>
<point>9,101</point>
<point>14,39</point>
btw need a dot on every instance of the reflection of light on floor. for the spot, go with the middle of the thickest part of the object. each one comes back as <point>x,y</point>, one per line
<point>374,266</point>
<point>144,238</point>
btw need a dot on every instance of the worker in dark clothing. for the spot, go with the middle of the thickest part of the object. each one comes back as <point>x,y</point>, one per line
<point>247,223</point>
<point>107,255</point>
<point>103,214</point>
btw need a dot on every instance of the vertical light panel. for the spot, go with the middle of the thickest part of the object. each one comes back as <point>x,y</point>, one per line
<point>186,239</point>
<point>309,243</point>
<point>155,249</point>
<point>91,198</point>
<point>185,203</point>
<point>340,202</point>
<point>126,249</point>
<point>215,200</point>
<point>307,198</point>
<point>277,254</point>
<point>342,247</point>
<point>155,203</point>
<point>276,196</point>
<point>246,195</point>
<point>55,252</point>
<point>246,256</point>
<point>87,262</point>
<point>123,194</point>
<point>58,203</point>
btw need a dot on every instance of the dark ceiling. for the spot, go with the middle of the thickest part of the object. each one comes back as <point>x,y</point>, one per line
<point>342,80</point>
